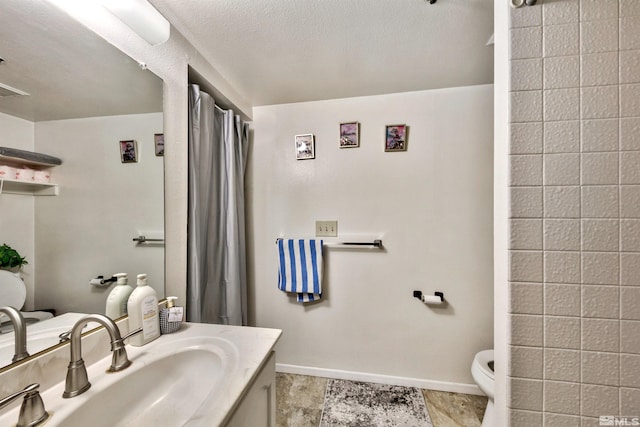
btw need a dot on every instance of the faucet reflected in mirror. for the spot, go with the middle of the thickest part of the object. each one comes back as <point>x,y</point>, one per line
<point>20,333</point>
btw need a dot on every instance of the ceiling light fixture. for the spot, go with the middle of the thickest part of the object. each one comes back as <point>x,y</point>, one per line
<point>141,17</point>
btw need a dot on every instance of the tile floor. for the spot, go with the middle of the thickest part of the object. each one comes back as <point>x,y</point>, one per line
<point>299,402</point>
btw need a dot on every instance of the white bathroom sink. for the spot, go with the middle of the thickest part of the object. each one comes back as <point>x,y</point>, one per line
<point>166,384</point>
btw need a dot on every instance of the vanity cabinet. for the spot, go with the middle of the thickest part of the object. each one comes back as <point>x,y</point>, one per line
<point>16,186</point>
<point>257,408</point>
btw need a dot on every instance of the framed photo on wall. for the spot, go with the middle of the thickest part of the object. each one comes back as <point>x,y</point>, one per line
<point>349,135</point>
<point>158,140</point>
<point>129,151</point>
<point>305,147</point>
<point>395,138</point>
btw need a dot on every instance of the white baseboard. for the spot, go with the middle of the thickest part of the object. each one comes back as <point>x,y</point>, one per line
<point>380,379</point>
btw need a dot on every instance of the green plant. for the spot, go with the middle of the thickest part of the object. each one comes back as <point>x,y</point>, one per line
<point>10,258</point>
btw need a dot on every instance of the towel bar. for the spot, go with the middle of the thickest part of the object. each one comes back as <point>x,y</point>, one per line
<point>376,243</point>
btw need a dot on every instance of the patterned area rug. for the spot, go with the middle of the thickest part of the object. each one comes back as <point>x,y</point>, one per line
<point>360,404</point>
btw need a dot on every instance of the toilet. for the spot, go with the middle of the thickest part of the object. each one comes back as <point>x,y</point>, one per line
<point>482,372</point>
<point>13,293</point>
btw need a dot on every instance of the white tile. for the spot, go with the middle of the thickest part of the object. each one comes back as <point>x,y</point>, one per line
<point>561,40</point>
<point>562,137</point>
<point>562,169</point>
<point>526,106</point>
<point>601,335</point>
<point>526,362</point>
<point>600,135</point>
<point>630,33</point>
<point>629,303</point>
<point>526,298</point>
<point>630,370</point>
<point>525,266</point>
<point>600,368</point>
<point>630,100</point>
<point>599,168</point>
<point>562,202</point>
<point>599,36</point>
<point>599,69</point>
<point>526,74</point>
<point>525,394</point>
<point>630,66</point>
<point>562,300</point>
<point>562,397</point>
<point>630,167</point>
<point>600,235</point>
<point>525,234</point>
<point>560,12</point>
<point>562,332</point>
<point>561,72</point>
<point>526,202</point>
<point>525,17</point>
<point>630,235</point>
<point>629,333</point>
<point>591,10</point>
<point>629,8</point>
<point>561,267</point>
<point>561,104</point>
<point>526,138</point>
<point>601,301</point>
<point>630,201</point>
<point>601,268</point>
<point>598,400</point>
<point>526,330</point>
<point>599,102</point>
<point>629,400</point>
<point>526,42</point>
<point>562,234</point>
<point>630,269</point>
<point>599,201</point>
<point>561,365</point>
<point>630,134</point>
<point>526,169</point>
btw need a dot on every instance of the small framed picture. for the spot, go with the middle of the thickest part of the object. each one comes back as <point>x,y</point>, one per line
<point>305,147</point>
<point>158,139</point>
<point>129,151</point>
<point>395,138</point>
<point>349,135</point>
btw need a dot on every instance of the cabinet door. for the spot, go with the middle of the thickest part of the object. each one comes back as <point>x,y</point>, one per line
<point>258,407</point>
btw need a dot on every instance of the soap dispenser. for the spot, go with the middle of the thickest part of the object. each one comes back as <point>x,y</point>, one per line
<point>143,313</point>
<point>118,297</point>
<point>171,317</point>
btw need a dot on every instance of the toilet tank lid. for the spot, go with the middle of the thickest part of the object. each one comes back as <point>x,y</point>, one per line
<point>13,292</point>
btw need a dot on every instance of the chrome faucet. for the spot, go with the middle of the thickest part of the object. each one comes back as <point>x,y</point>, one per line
<point>77,380</point>
<point>32,412</point>
<point>20,332</point>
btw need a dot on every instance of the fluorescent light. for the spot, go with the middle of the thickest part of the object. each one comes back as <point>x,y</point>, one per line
<point>141,17</point>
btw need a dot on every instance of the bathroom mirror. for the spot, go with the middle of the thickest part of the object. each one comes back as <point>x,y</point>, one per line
<point>83,96</point>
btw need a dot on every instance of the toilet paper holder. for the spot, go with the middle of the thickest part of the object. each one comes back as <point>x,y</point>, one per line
<point>421,297</point>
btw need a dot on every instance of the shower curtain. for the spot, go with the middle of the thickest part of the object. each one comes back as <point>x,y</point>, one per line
<point>216,271</point>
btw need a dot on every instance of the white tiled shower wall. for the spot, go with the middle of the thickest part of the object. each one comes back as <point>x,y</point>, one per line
<point>574,212</point>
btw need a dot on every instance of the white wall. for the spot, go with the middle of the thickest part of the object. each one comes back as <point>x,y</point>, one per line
<point>431,205</point>
<point>87,230</point>
<point>16,211</point>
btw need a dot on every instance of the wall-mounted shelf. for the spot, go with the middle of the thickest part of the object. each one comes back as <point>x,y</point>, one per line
<point>12,186</point>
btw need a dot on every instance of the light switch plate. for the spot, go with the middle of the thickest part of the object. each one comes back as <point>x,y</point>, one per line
<point>326,228</point>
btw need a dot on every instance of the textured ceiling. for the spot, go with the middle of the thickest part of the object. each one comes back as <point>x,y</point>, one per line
<point>281,51</point>
<point>67,70</point>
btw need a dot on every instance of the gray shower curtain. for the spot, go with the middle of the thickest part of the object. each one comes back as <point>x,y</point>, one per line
<point>216,271</point>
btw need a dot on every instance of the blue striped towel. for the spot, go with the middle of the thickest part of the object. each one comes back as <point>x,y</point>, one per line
<point>300,268</point>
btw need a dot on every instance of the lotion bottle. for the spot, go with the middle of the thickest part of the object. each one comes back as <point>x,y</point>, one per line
<point>118,297</point>
<point>143,313</point>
